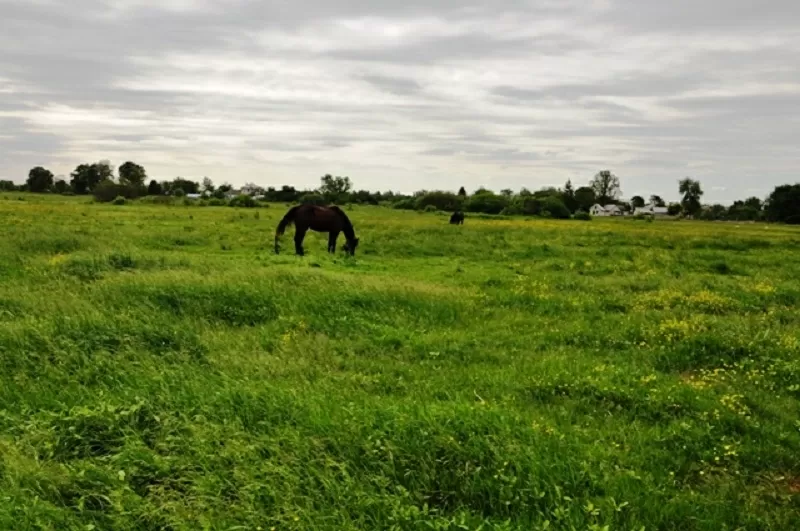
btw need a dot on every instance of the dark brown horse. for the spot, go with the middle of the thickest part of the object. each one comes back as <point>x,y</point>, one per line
<point>457,218</point>
<point>319,219</point>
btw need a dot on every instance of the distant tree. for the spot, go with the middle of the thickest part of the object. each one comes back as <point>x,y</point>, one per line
<point>568,197</point>
<point>313,198</point>
<point>606,187</point>
<point>783,204</point>
<point>335,189</point>
<point>132,174</point>
<point>39,180</point>
<point>692,192</point>
<point>86,176</point>
<point>747,210</point>
<point>555,208</point>
<point>61,186</point>
<point>657,201</point>
<point>548,191</point>
<point>674,209</point>
<point>365,197</point>
<point>154,188</point>
<point>188,186</point>
<point>107,191</point>
<point>223,190</point>
<point>637,201</point>
<point>288,194</point>
<point>462,192</point>
<point>486,202</point>
<point>714,212</point>
<point>439,200</point>
<point>754,202</point>
<point>585,198</point>
<point>208,186</point>
<point>8,186</point>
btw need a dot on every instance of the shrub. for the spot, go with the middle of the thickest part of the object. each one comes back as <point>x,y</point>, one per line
<point>582,215</point>
<point>555,208</point>
<point>430,208</point>
<point>793,220</point>
<point>178,192</point>
<point>120,200</point>
<point>487,203</point>
<point>313,199</point>
<point>405,204</point>
<point>157,200</point>
<point>439,201</point>
<point>108,191</point>
<point>244,201</point>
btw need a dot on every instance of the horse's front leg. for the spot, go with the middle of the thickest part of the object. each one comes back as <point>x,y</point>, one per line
<point>299,235</point>
<point>332,237</point>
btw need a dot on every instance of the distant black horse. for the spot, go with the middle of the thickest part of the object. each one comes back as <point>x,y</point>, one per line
<point>457,218</point>
<point>319,219</point>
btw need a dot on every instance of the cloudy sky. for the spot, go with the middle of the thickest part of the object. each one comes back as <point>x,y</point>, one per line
<point>405,95</point>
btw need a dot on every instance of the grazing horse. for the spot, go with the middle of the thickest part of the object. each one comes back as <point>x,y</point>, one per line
<point>319,219</point>
<point>457,218</point>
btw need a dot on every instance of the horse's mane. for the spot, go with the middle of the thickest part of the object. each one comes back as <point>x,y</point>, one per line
<point>347,226</point>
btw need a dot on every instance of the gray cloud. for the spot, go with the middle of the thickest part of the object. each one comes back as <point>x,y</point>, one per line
<point>405,94</point>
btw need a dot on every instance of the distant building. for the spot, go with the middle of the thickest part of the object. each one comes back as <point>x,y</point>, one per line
<point>651,210</point>
<point>607,210</point>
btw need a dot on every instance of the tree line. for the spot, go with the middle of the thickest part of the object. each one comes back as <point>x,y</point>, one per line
<point>131,182</point>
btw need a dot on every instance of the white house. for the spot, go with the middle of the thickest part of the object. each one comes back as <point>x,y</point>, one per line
<point>651,210</point>
<point>608,210</point>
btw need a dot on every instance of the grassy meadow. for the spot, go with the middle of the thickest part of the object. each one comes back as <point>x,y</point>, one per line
<point>161,368</point>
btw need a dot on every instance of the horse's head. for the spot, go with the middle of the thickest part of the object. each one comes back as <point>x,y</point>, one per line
<point>350,246</point>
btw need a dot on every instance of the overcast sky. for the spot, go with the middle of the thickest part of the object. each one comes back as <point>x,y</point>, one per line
<point>408,94</point>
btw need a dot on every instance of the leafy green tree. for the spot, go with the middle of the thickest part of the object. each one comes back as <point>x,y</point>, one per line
<point>657,201</point>
<point>585,198</point>
<point>692,192</point>
<point>87,176</point>
<point>39,180</point>
<point>223,190</point>
<point>154,188</point>
<point>188,186</point>
<point>132,174</point>
<point>486,202</point>
<point>674,209</point>
<point>754,202</point>
<point>335,189</point>
<point>439,200</point>
<point>365,197</point>
<point>714,212</point>
<point>61,186</point>
<point>637,201</point>
<point>208,186</point>
<point>313,198</point>
<point>555,208</point>
<point>462,192</point>
<point>8,186</point>
<point>568,197</point>
<point>783,204</point>
<point>606,187</point>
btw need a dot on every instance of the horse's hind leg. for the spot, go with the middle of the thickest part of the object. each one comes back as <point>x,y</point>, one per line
<point>332,241</point>
<point>299,235</point>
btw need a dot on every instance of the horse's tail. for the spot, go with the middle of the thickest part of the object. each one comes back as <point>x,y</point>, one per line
<point>287,220</point>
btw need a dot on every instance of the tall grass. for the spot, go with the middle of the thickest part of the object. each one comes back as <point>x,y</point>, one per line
<point>161,368</point>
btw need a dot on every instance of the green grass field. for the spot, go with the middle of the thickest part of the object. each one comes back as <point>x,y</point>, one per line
<point>162,368</point>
